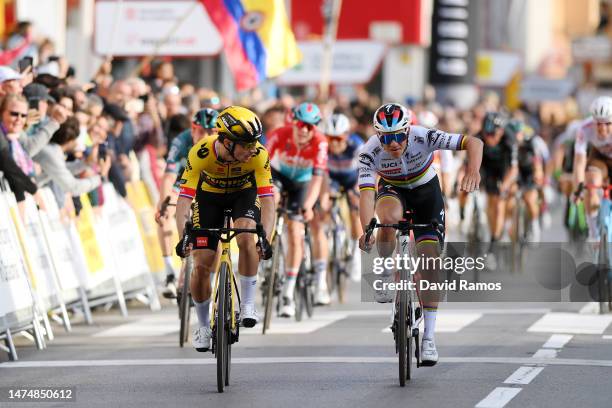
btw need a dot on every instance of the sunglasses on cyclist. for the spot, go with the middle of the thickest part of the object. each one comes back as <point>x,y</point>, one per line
<point>388,138</point>
<point>247,146</point>
<point>335,138</point>
<point>304,125</point>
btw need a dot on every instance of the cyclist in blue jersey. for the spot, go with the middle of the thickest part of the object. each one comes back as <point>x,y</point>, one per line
<point>203,124</point>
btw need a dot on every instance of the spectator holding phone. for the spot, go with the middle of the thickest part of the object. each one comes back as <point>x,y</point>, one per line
<point>38,106</point>
<point>13,114</point>
<point>53,163</point>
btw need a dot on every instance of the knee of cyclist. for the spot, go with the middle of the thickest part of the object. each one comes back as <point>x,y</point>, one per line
<point>202,270</point>
<point>245,242</point>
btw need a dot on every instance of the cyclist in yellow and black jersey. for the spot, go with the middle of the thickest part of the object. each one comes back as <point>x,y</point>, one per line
<point>231,170</point>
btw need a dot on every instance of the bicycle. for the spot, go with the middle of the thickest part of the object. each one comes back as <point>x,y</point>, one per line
<point>520,230</point>
<point>340,250</point>
<point>604,258</point>
<point>475,238</point>
<point>271,286</point>
<point>407,312</point>
<point>226,319</point>
<point>185,301</point>
<point>304,285</point>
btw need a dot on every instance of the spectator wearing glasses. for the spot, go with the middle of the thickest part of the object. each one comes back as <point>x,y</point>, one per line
<point>14,111</point>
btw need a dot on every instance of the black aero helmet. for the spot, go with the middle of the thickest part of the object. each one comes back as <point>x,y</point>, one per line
<point>493,121</point>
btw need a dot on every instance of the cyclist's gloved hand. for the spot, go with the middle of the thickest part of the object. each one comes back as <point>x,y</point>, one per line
<point>183,248</point>
<point>264,249</point>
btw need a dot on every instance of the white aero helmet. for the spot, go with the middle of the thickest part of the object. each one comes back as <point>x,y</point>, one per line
<point>427,119</point>
<point>392,117</point>
<point>337,124</point>
<point>601,109</point>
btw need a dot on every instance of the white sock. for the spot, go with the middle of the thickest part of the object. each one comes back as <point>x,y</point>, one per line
<point>169,266</point>
<point>202,310</point>
<point>430,314</point>
<point>320,267</point>
<point>248,284</point>
<point>593,225</point>
<point>290,278</point>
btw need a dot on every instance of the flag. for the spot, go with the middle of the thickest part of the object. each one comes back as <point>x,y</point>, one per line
<point>257,38</point>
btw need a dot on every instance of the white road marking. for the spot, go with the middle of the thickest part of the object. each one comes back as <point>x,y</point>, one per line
<point>557,341</point>
<point>290,326</point>
<point>606,337</point>
<point>151,326</point>
<point>590,308</point>
<point>499,397</point>
<point>523,375</point>
<point>571,323</point>
<point>546,353</point>
<point>450,322</point>
<point>209,359</point>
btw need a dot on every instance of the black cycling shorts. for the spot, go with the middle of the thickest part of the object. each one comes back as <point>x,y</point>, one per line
<point>424,202</point>
<point>526,179</point>
<point>296,193</point>
<point>208,212</point>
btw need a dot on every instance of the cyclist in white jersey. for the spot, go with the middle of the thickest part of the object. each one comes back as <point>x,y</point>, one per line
<point>596,168</point>
<point>401,156</point>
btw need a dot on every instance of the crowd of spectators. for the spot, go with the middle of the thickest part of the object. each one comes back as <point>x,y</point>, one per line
<point>71,136</point>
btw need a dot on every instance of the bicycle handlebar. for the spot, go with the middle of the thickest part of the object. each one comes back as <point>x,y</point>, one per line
<point>402,226</point>
<point>230,233</point>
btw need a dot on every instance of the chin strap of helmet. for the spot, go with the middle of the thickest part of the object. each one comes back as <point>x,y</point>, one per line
<point>231,149</point>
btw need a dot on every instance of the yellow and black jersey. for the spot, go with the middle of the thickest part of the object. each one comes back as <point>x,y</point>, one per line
<point>206,169</point>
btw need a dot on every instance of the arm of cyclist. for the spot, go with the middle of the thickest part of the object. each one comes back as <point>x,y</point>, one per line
<point>164,192</point>
<point>318,172</point>
<point>367,196</point>
<point>314,188</point>
<point>471,178</point>
<point>367,201</point>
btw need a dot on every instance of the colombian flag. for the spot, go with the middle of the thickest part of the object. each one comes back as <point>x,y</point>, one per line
<point>257,38</point>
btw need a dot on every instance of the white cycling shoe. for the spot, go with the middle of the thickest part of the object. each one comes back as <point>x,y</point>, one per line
<point>201,338</point>
<point>429,354</point>
<point>249,315</point>
<point>322,297</point>
<point>288,308</point>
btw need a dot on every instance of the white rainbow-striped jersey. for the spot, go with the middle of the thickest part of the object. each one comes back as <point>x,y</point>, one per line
<point>414,168</point>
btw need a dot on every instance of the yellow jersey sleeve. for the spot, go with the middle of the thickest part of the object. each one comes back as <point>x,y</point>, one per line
<point>194,167</point>
<point>263,174</point>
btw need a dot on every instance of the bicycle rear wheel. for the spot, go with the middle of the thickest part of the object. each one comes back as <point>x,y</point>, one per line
<point>185,305</point>
<point>221,335</point>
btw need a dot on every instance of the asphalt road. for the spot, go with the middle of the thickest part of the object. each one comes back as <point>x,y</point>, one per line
<point>491,355</point>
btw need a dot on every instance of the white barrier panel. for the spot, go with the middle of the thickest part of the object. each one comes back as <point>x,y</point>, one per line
<point>44,278</point>
<point>124,237</point>
<point>15,292</point>
<point>60,244</point>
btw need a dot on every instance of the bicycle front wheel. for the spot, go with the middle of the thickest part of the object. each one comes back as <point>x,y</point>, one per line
<point>404,346</point>
<point>272,272</point>
<point>185,305</point>
<point>221,335</point>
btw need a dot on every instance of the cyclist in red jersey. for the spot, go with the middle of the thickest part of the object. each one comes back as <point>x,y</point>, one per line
<point>298,156</point>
